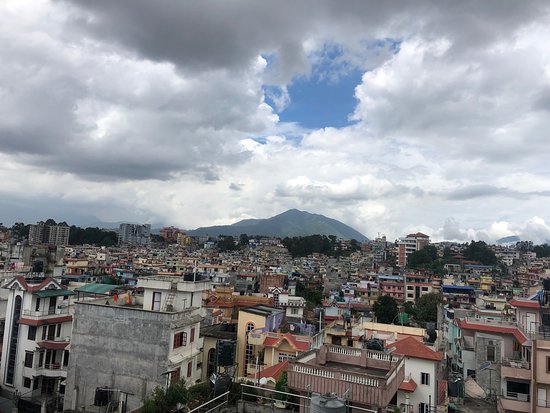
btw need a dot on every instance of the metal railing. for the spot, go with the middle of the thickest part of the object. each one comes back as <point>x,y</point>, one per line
<point>49,311</point>
<point>520,364</point>
<point>520,397</point>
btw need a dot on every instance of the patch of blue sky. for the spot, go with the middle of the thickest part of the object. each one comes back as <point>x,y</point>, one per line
<point>326,97</point>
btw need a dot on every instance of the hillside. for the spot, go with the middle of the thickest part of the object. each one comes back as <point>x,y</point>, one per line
<point>291,223</point>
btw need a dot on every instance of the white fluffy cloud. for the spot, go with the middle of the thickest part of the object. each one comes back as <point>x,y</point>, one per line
<point>157,112</point>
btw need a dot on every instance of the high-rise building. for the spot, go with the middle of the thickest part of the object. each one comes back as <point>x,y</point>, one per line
<point>409,244</point>
<point>139,234</point>
<point>41,233</point>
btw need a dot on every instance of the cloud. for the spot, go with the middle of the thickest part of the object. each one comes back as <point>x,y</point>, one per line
<point>159,111</point>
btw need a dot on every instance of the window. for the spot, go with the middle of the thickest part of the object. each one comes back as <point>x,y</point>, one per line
<point>180,339</point>
<point>548,364</point>
<point>58,332</point>
<point>31,335</point>
<point>35,383</point>
<point>27,382</point>
<point>192,335</point>
<point>423,408</point>
<point>424,288</point>
<point>66,357</point>
<point>37,306</point>
<point>293,311</point>
<point>189,369</point>
<point>285,356</point>
<point>471,373</point>
<point>490,353</point>
<point>156,301</point>
<point>29,355</point>
<point>175,375</point>
<point>425,378</point>
<point>44,332</point>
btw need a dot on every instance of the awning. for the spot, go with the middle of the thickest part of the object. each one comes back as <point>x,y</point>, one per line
<point>54,293</point>
<point>53,345</point>
<point>97,288</point>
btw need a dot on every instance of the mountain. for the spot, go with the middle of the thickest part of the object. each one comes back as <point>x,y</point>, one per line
<point>291,223</point>
<point>512,239</point>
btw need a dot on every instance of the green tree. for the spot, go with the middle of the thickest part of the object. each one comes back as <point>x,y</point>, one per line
<point>542,250</point>
<point>227,243</point>
<point>410,309</point>
<point>427,307</point>
<point>385,309</point>
<point>165,400</point>
<point>20,231</point>
<point>479,251</point>
<point>243,240</point>
<point>423,258</point>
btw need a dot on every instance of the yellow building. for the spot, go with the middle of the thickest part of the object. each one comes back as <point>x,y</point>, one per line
<point>259,317</point>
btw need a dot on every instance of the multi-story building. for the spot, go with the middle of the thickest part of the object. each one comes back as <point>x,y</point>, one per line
<point>417,285</point>
<point>36,339</point>
<point>253,318</point>
<point>135,343</point>
<point>392,285</point>
<point>409,244</point>
<point>170,234</point>
<point>41,233</point>
<point>369,379</point>
<point>139,234</point>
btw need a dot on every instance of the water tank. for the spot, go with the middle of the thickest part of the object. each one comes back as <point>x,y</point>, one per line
<point>222,384</point>
<point>101,396</point>
<point>226,352</point>
<point>327,403</point>
<point>546,283</point>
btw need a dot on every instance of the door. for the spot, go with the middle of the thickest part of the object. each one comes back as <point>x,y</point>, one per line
<point>541,397</point>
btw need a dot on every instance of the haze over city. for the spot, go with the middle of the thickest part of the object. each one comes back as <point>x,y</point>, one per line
<point>393,117</point>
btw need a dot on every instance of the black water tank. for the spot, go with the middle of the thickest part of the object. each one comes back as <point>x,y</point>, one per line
<point>546,283</point>
<point>222,384</point>
<point>101,396</point>
<point>226,352</point>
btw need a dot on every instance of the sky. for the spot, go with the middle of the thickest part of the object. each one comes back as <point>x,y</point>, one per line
<point>393,117</point>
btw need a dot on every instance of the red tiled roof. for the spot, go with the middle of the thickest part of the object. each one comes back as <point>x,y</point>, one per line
<point>53,345</point>
<point>413,348</point>
<point>36,287</point>
<point>492,328</point>
<point>276,341</point>
<point>408,386</point>
<point>45,321</point>
<point>525,303</point>
<point>274,372</point>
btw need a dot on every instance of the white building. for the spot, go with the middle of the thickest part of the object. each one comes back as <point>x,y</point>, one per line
<point>419,390</point>
<point>134,234</point>
<point>409,244</point>
<point>37,338</point>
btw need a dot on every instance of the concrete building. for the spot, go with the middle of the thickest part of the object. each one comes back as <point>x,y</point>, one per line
<point>36,339</point>
<point>368,378</point>
<point>253,318</point>
<point>417,285</point>
<point>40,233</point>
<point>137,234</point>
<point>137,343</point>
<point>409,244</point>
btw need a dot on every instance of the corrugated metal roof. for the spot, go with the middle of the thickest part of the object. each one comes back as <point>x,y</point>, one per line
<point>53,293</point>
<point>96,288</point>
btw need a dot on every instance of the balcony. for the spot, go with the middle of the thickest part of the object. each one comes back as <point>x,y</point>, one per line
<point>372,377</point>
<point>52,370</point>
<point>518,402</point>
<point>49,313</point>
<point>517,369</point>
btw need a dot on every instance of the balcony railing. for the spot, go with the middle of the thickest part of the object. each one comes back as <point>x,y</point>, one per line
<point>520,397</point>
<point>519,364</point>
<point>48,312</point>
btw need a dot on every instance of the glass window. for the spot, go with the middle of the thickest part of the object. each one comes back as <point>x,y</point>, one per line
<point>31,335</point>
<point>29,355</point>
<point>425,378</point>
<point>156,301</point>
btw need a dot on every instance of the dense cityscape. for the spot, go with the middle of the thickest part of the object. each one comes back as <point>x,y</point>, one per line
<point>153,320</point>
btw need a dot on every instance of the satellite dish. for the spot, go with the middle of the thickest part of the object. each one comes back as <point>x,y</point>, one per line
<point>263,381</point>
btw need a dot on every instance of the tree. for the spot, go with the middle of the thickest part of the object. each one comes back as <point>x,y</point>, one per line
<point>427,307</point>
<point>479,251</point>
<point>20,231</point>
<point>542,250</point>
<point>243,240</point>
<point>385,309</point>
<point>161,400</point>
<point>227,243</point>
<point>422,258</point>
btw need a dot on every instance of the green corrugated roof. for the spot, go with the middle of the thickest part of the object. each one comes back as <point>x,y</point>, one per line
<point>96,288</point>
<point>53,293</point>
